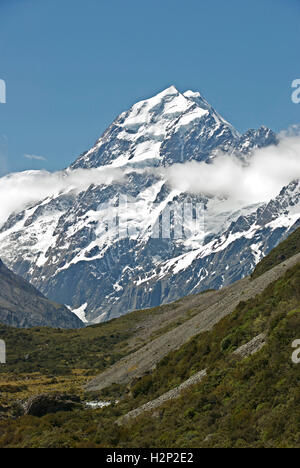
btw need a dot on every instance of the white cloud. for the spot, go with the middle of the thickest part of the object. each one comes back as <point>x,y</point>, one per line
<point>259,180</point>
<point>20,190</point>
<point>34,157</point>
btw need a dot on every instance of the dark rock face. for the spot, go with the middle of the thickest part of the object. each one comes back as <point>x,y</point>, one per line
<point>21,305</point>
<point>40,405</point>
<point>256,139</point>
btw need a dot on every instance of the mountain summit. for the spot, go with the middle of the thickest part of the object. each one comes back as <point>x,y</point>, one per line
<point>168,128</point>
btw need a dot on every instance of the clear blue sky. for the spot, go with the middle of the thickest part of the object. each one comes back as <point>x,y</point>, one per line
<point>71,66</point>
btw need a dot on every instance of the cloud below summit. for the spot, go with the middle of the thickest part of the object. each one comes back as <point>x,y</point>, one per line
<point>20,190</point>
<point>268,170</point>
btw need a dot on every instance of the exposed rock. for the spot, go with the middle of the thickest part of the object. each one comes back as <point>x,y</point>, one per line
<point>252,347</point>
<point>40,405</point>
<point>170,395</point>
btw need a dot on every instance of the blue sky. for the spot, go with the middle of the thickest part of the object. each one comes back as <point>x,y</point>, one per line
<point>72,66</point>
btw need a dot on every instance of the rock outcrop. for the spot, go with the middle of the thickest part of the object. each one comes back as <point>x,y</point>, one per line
<point>40,405</point>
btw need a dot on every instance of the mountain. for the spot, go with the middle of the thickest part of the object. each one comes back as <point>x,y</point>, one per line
<point>61,244</point>
<point>21,305</point>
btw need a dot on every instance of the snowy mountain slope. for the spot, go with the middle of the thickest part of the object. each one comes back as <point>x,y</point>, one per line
<point>61,244</point>
<point>226,258</point>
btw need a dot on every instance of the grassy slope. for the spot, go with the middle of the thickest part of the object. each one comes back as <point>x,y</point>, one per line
<point>46,359</point>
<point>252,402</point>
<point>286,249</point>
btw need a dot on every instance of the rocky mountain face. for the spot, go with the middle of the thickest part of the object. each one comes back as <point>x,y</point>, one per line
<point>22,305</point>
<point>226,258</point>
<point>64,247</point>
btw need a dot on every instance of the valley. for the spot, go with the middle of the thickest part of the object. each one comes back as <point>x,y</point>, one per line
<point>258,377</point>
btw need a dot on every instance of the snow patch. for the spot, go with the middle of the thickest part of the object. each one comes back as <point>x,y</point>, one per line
<point>80,312</point>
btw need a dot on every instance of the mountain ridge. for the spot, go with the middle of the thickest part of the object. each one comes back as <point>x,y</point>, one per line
<point>22,305</point>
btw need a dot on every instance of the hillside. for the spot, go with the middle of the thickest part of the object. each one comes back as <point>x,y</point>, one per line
<point>22,305</point>
<point>241,403</point>
<point>250,401</point>
<point>208,311</point>
<point>283,251</point>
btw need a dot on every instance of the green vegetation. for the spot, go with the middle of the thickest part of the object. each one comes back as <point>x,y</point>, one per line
<point>48,360</point>
<point>285,250</point>
<point>57,352</point>
<point>253,402</point>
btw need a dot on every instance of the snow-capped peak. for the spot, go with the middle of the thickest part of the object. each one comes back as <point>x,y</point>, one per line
<point>192,94</point>
<point>150,128</point>
<point>162,109</point>
<point>170,91</point>
<point>197,97</point>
